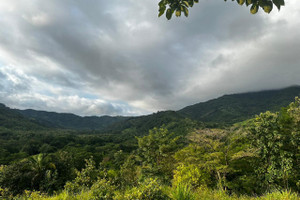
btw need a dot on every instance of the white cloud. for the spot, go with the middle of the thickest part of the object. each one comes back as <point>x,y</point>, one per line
<point>118,57</point>
<point>21,91</point>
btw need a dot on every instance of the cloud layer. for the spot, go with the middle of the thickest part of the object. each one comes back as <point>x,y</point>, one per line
<point>119,58</point>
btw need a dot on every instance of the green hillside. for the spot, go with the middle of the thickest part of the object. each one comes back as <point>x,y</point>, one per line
<point>106,124</point>
<point>230,163</point>
<point>227,109</point>
<point>70,121</point>
<point>13,120</point>
<point>142,124</point>
<point>238,107</point>
<point>164,155</point>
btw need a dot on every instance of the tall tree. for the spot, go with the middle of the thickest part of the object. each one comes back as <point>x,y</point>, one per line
<point>155,153</point>
<point>41,170</point>
<point>276,137</point>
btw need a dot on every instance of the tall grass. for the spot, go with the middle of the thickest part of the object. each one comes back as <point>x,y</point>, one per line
<point>183,192</point>
<point>284,195</point>
<point>207,194</point>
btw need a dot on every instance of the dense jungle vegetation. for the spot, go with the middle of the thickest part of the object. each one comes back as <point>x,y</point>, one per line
<point>183,159</point>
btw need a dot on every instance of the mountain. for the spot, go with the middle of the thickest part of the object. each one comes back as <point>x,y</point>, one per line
<point>238,107</point>
<point>12,119</point>
<point>141,125</point>
<point>70,121</point>
<point>227,109</point>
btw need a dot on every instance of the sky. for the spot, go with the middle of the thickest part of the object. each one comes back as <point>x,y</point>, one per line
<point>95,57</point>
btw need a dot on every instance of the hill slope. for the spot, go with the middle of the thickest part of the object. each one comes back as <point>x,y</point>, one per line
<point>70,121</point>
<point>227,109</point>
<point>141,125</point>
<point>11,119</point>
<point>238,107</point>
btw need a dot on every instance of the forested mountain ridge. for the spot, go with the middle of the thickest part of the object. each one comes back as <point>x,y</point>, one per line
<point>70,121</point>
<point>141,125</point>
<point>238,107</point>
<point>229,163</point>
<point>227,109</point>
<point>10,118</point>
<point>160,156</point>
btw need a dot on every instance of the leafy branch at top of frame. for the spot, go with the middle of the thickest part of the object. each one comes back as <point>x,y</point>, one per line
<point>179,7</point>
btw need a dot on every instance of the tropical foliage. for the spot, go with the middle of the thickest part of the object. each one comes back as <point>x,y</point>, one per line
<point>254,159</point>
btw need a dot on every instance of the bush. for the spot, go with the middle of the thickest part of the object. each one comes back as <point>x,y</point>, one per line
<point>5,194</point>
<point>103,190</point>
<point>150,189</point>
<point>190,175</point>
<point>85,178</point>
<point>15,178</point>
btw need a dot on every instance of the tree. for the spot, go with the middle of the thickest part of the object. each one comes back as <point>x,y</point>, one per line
<point>155,153</point>
<point>42,171</point>
<point>182,6</point>
<point>15,178</point>
<point>84,178</point>
<point>207,155</point>
<point>276,138</point>
<point>34,173</point>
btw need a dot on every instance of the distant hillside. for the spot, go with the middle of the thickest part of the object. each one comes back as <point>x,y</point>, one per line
<point>238,107</point>
<point>11,119</point>
<point>141,125</point>
<point>70,121</point>
<point>227,109</point>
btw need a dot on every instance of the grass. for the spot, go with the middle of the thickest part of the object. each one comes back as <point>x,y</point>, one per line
<point>221,195</point>
<point>181,192</point>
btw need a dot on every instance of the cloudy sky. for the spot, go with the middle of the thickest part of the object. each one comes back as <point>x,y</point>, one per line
<point>96,57</point>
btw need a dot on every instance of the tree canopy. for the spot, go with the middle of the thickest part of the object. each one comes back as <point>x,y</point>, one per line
<point>169,7</point>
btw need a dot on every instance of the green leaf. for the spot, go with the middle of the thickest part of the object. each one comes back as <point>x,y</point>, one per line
<point>263,3</point>
<point>186,3</point>
<point>186,11</point>
<point>161,12</point>
<point>268,7</point>
<point>278,3</point>
<point>248,2</point>
<point>241,2</point>
<point>161,3</point>
<point>169,14</point>
<point>254,9</point>
<point>178,13</point>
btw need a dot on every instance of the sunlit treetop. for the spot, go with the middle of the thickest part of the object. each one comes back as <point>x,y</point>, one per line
<point>182,6</point>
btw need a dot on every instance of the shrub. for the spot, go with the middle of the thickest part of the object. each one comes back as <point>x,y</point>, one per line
<point>85,178</point>
<point>150,189</point>
<point>103,190</point>
<point>190,175</point>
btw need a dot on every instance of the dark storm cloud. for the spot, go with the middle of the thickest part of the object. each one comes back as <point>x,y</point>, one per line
<point>134,62</point>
